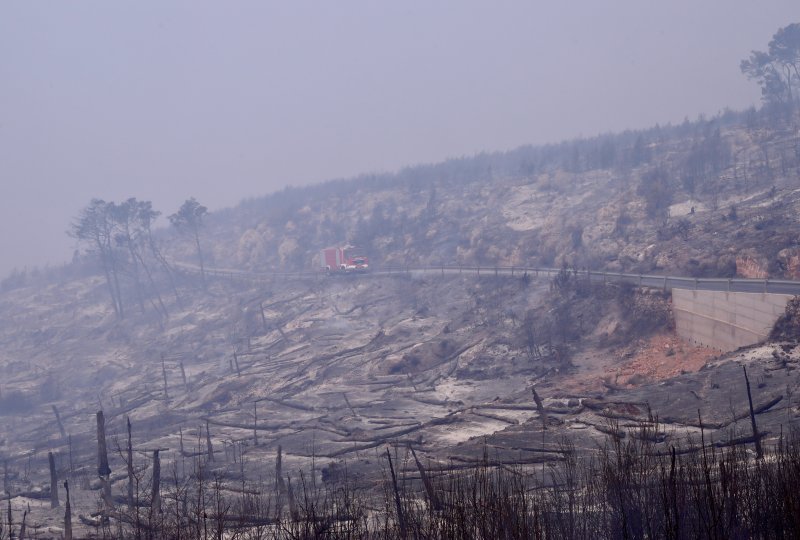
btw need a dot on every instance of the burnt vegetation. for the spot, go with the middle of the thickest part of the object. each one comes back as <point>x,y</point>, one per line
<point>630,488</point>
<point>418,406</point>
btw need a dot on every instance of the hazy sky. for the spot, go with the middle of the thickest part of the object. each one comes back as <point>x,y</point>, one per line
<point>163,100</point>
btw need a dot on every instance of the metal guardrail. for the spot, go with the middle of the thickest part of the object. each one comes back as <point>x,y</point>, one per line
<point>777,286</point>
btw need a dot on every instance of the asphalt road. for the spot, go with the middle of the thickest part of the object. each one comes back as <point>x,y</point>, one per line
<point>643,280</point>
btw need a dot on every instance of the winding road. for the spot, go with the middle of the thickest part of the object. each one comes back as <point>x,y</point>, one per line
<point>777,286</point>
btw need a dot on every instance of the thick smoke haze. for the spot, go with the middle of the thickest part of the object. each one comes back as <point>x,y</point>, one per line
<point>225,100</point>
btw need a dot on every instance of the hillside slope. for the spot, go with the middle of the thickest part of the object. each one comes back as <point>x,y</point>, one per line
<point>332,369</point>
<point>710,198</point>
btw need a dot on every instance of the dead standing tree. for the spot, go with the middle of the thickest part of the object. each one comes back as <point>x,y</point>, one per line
<point>67,514</point>
<point>103,470</point>
<point>164,375</point>
<point>280,486</point>
<point>756,435</point>
<point>433,498</point>
<point>398,504</point>
<point>155,499</point>
<point>129,460</point>
<point>53,481</point>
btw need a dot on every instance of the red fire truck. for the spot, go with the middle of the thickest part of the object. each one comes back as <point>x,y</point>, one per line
<point>342,259</point>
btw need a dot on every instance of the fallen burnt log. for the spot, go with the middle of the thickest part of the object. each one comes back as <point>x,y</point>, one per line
<point>506,406</point>
<point>339,355</point>
<point>449,419</point>
<point>738,441</point>
<point>637,411</point>
<point>372,442</point>
<point>748,439</point>
<point>390,425</point>
<point>472,463</point>
<point>764,407</point>
<point>510,421</point>
<point>433,401</point>
<point>260,427</point>
<point>540,450</point>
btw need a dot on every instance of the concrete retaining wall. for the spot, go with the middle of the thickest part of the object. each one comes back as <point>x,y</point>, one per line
<point>726,320</point>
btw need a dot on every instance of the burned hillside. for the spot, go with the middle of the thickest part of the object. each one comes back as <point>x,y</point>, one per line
<point>328,369</point>
<point>714,197</point>
<point>225,367</point>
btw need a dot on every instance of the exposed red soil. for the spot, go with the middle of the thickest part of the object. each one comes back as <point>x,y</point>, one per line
<point>661,357</point>
<point>655,358</point>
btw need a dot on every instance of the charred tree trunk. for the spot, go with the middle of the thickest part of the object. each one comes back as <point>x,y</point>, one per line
<point>53,481</point>
<point>102,452</point>
<point>155,500</point>
<point>279,485</point>
<point>236,363</point>
<point>129,459</point>
<point>263,317</point>
<point>401,521</point>
<point>103,470</point>
<point>164,375</point>
<point>67,515</point>
<point>183,376</point>
<point>58,421</point>
<point>23,525</point>
<point>433,500</point>
<point>759,452</point>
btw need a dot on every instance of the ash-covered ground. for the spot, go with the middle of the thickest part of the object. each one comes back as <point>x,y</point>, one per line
<point>335,370</point>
